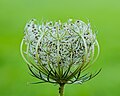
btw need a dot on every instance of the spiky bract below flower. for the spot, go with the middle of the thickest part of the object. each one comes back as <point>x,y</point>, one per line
<point>59,52</point>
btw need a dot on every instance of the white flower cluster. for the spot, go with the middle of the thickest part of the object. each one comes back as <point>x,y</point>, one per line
<point>59,52</point>
<point>60,44</point>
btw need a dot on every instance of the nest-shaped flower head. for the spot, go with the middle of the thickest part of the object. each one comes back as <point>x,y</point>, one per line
<point>59,52</point>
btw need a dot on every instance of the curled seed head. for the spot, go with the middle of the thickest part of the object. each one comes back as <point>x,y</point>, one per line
<point>72,42</point>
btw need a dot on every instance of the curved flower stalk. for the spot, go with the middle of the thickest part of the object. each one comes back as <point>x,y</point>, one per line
<point>58,52</point>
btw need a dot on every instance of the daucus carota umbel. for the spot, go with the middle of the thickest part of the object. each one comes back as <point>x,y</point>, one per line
<point>58,52</point>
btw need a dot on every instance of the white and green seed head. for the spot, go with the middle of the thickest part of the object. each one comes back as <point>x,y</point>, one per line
<point>58,52</point>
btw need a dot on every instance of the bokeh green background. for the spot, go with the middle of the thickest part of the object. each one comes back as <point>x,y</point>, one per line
<point>104,14</point>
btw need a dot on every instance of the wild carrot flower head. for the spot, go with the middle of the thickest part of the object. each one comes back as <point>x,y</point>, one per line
<point>59,52</point>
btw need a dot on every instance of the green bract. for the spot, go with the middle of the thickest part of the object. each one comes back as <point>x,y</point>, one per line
<point>58,52</point>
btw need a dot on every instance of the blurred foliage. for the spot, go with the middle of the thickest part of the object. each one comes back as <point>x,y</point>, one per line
<point>103,14</point>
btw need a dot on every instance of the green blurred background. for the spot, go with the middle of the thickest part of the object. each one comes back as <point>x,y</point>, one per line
<point>104,14</point>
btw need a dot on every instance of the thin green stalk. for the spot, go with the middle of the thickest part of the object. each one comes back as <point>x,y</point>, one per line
<point>61,90</point>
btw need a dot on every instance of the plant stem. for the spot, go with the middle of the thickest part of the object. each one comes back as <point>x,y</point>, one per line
<point>61,89</point>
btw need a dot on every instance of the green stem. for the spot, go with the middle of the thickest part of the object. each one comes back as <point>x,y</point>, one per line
<point>61,89</point>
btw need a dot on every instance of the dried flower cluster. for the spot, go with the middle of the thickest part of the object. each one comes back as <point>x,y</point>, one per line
<point>59,52</point>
